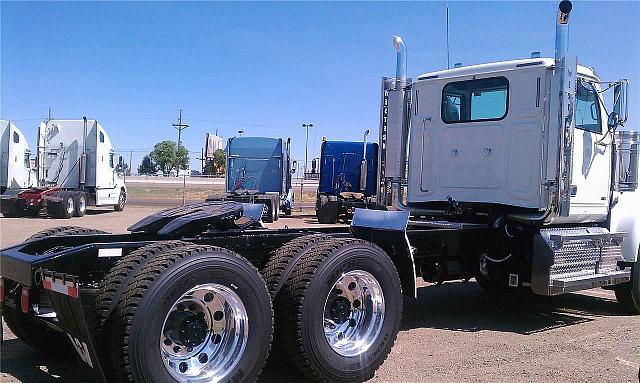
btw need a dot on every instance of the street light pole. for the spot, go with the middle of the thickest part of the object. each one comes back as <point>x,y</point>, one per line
<point>304,168</point>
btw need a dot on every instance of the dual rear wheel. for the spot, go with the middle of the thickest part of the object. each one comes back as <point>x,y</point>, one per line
<point>73,204</point>
<point>338,306</point>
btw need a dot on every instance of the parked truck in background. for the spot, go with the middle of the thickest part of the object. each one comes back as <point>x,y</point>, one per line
<point>541,196</point>
<point>75,168</point>
<point>259,170</point>
<point>348,177</point>
<point>16,171</point>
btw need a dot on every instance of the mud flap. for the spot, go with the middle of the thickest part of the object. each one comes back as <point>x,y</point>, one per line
<point>63,289</point>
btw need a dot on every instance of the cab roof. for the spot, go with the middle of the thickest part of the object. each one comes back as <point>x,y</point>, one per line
<point>499,67</point>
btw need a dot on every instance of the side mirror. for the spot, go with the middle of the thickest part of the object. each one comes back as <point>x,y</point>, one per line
<point>620,107</point>
<point>294,166</point>
<point>120,161</point>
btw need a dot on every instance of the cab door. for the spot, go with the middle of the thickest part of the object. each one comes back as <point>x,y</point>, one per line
<point>591,157</point>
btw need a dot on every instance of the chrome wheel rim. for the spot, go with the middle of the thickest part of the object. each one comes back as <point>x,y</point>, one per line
<point>70,206</point>
<point>121,200</point>
<point>204,334</point>
<point>82,204</point>
<point>354,313</point>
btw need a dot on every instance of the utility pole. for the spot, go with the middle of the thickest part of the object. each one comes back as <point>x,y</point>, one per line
<point>180,126</point>
<point>304,168</point>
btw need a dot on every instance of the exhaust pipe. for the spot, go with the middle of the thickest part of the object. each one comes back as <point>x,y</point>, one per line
<point>562,30</point>
<point>363,164</point>
<point>401,62</point>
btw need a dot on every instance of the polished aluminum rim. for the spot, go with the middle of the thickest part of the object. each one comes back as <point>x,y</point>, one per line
<point>354,313</point>
<point>204,335</point>
<point>70,207</point>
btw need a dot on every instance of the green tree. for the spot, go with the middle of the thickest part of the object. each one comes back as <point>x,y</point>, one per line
<point>217,164</point>
<point>147,166</point>
<point>167,158</point>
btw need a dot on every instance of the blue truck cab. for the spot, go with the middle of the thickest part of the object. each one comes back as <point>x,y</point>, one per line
<point>342,187</point>
<point>259,170</point>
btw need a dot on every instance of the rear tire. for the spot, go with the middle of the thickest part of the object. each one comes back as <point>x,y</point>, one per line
<point>64,230</point>
<point>113,284</point>
<point>67,208</point>
<point>278,268</point>
<point>150,302</point>
<point>80,199</point>
<point>310,294</point>
<point>628,294</point>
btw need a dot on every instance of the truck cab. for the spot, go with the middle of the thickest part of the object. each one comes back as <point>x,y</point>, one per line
<point>259,170</point>
<point>347,179</point>
<point>16,172</point>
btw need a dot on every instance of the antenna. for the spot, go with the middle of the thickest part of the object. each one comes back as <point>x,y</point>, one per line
<point>448,66</point>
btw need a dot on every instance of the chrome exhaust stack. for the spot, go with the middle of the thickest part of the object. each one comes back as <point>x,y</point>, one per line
<point>401,62</point>
<point>566,68</point>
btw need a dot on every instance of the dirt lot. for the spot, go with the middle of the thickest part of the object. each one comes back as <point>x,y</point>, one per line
<point>455,332</point>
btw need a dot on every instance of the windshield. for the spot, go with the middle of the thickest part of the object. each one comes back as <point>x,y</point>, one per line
<point>587,108</point>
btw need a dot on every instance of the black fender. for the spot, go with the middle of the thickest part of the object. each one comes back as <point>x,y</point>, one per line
<point>388,229</point>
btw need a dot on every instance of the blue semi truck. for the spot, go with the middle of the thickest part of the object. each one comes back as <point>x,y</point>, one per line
<point>348,179</point>
<point>259,170</point>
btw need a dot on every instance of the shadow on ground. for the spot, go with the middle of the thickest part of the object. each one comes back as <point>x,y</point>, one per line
<point>452,306</point>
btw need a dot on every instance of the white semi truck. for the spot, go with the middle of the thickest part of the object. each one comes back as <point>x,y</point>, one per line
<point>517,176</point>
<point>75,169</point>
<point>16,172</point>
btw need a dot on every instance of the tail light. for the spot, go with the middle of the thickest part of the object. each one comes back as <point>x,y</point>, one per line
<point>24,299</point>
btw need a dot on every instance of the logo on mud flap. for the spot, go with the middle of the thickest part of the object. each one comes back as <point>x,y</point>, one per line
<point>81,349</point>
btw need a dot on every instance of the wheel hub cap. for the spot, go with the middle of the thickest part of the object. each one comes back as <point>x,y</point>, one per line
<point>354,313</point>
<point>204,334</point>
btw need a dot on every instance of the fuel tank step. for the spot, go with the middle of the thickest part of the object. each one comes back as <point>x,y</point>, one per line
<point>572,259</point>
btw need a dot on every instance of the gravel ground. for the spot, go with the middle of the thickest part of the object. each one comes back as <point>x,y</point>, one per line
<point>451,333</point>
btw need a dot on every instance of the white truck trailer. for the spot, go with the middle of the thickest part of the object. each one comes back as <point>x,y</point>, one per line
<point>75,169</point>
<point>16,172</point>
<point>515,177</point>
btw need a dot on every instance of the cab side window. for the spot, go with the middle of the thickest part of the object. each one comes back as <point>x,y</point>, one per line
<point>475,100</point>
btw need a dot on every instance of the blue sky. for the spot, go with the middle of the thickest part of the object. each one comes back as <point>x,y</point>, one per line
<point>266,68</point>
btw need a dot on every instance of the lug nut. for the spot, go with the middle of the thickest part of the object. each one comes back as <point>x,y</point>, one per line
<point>352,286</point>
<point>183,367</point>
<point>352,322</point>
<point>203,358</point>
<point>208,297</point>
<point>167,342</point>
<point>176,349</point>
<point>218,315</point>
<point>180,307</point>
<point>356,303</point>
<point>217,339</point>
<point>340,336</point>
<point>189,349</point>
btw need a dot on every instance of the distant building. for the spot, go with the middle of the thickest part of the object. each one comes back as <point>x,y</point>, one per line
<point>212,143</point>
